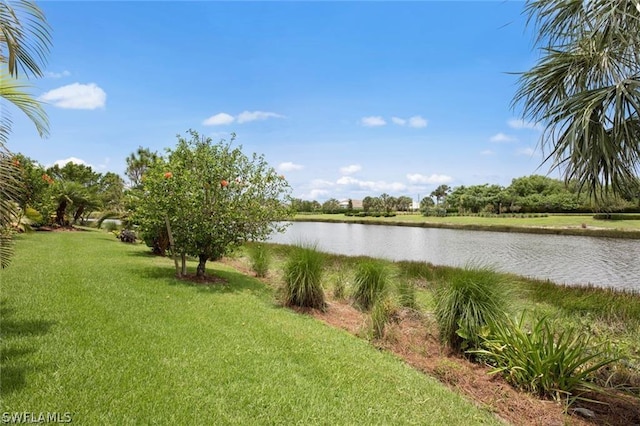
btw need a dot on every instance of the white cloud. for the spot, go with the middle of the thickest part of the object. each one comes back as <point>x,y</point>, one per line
<point>432,179</point>
<point>417,122</point>
<point>502,138</point>
<point>373,121</point>
<point>50,74</point>
<point>75,160</point>
<point>223,118</point>
<point>350,169</point>
<point>516,123</point>
<point>487,152</point>
<point>219,119</point>
<point>289,167</point>
<point>528,151</point>
<point>314,194</point>
<point>379,186</point>
<point>321,183</point>
<point>247,116</point>
<point>76,96</point>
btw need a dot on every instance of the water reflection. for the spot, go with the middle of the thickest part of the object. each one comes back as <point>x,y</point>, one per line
<point>607,262</point>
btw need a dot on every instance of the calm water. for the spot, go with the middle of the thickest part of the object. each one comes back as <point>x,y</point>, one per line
<point>607,262</point>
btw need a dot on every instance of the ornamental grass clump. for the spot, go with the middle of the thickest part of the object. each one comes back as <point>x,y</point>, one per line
<point>381,313</point>
<point>407,294</point>
<point>260,257</point>
<point>303,278</point>
<point>370,284</point>
<point>467,303</point>
<point>550,361</point>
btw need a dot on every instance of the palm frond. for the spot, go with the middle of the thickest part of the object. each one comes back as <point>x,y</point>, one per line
<point>15,92</point>
<point>585,90</point>
<point>25,37</point>
<point>6,247</point>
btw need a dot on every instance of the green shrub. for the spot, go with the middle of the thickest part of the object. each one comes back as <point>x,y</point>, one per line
<point>543,360</point>
<point>260,257</point>
<point>467,302</point>
<point>303,278</point>
<point>614,216</point>
<point>371,283</point>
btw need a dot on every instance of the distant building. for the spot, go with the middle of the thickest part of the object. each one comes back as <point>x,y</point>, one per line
<point>356,204</point>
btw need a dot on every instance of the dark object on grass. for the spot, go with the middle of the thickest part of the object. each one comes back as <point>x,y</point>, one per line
<point>127,236</point>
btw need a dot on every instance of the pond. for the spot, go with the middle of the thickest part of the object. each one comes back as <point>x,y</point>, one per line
<point>576,260</point>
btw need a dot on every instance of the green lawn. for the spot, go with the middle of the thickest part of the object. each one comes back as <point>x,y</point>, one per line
<point>551,221</point>
<point>100,329</point>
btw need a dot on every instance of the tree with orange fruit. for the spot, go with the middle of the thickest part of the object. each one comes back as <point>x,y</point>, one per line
<point>212,197</point>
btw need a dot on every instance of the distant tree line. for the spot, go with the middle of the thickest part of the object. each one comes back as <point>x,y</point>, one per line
<point>529,194</point>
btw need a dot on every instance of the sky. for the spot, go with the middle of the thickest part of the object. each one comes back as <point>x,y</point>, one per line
<point>346,99</point>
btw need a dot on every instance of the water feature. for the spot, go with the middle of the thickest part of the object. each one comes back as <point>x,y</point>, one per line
<point>605,262</point>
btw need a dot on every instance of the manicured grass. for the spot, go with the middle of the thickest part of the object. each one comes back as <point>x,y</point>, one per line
<point>551,221</point>
<point>101,329</point>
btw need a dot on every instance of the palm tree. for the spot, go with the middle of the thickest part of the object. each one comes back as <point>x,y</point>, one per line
<point>440,193</point>
<point>585,90</point>
<point>24,43</point>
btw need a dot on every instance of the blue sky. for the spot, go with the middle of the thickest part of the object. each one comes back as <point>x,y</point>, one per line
<point>346,99</point>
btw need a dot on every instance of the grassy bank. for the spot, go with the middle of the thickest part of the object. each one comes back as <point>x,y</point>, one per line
<point>102,330</point>
<point>611,318</point>
<point>552,224</point>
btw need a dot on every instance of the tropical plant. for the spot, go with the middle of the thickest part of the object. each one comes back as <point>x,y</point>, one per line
<point>371,282</point>
<point>585,90</point>
<point>24,44</point>
<point>303,278</point>
<point>549,361</point>
<point>467,303</point>
<point>440,193</point>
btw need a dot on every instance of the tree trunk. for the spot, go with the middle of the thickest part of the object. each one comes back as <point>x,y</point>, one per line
<point>62,207</point>
<point>202,262</point>
<point>173,247</point>
<point>78,214</point>
<point>184,264</point>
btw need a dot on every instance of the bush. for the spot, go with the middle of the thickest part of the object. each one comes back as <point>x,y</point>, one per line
<point>469,301</point>
<point>543,360</point>
<point>260,256</point>
<point>613,216</point>
<point>127,236</point>
<point>302,275</point>
<point>370,283</point>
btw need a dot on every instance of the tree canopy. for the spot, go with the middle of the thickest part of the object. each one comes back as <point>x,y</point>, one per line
<point>212,197</point>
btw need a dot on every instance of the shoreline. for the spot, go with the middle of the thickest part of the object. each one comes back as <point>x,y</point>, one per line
<point>573,231</point>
